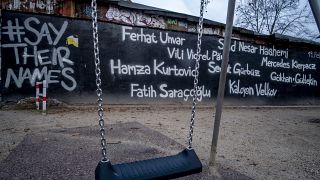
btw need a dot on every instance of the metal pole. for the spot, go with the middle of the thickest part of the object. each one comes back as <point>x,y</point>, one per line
<point>44,97</point>
<point>222,81</point>
<point>37,95</point>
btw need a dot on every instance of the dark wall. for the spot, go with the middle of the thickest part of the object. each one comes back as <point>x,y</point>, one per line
<point>141,63</point>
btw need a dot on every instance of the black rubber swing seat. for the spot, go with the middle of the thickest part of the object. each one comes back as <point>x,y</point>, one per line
<point>169,167</point>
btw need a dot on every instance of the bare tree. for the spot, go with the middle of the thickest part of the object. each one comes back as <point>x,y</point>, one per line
<point>289,17</point>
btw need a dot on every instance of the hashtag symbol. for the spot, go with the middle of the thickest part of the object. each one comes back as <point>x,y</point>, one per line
<point>13,30</point>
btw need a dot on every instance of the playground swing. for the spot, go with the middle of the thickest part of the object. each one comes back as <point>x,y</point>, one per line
<point>183,164</point>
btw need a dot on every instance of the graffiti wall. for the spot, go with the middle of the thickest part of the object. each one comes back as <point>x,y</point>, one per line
<point>45,6</point>
<point>125,16</point>
<point>36,48</point>
<point>150,64</point>
<point>114,14</point>
<point>57,7</point>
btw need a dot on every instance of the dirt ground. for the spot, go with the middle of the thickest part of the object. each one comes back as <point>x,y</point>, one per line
<point>261,143</point>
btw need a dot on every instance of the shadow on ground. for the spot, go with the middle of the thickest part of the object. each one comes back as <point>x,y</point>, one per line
<point>74,153</point>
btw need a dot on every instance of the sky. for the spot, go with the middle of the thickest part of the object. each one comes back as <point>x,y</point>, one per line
<point>216,10</point>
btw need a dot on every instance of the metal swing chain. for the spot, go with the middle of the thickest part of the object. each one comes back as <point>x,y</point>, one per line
<point>98,79</point>
<point>204,3</point>
<point>98,76</point>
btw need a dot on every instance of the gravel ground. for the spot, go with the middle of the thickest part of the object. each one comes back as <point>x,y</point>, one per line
<point>260,143</point>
